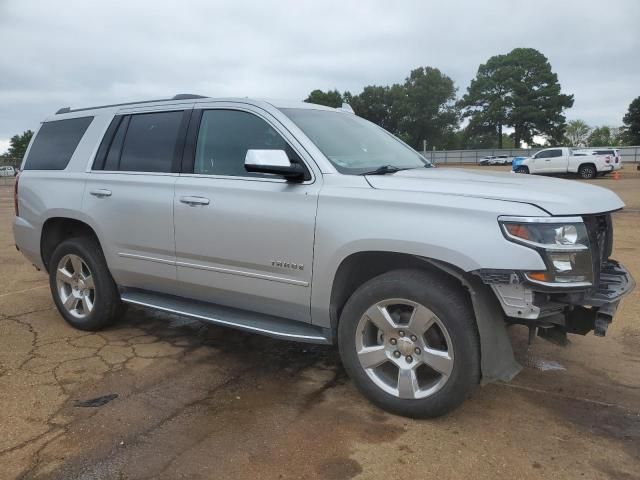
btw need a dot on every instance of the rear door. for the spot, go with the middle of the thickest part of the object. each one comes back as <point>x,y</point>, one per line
<point>129,195</point>
<point>243,239</point>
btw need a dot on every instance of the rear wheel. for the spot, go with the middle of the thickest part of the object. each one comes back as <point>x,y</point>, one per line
<point>82,287</point>
<point>409,342</point>
<point>587,172</point>
<point>522,170</point>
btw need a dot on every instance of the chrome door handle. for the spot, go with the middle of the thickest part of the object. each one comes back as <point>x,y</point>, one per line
<point>192,201</point>
<point>100,192</point>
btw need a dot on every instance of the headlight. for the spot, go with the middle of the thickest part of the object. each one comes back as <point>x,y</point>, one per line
<point>562,242</point>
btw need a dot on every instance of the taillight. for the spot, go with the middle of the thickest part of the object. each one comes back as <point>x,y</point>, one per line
<point>15,194</point>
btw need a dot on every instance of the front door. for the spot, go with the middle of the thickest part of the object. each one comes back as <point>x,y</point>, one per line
<point>557,162</point>
<point>243,239</point>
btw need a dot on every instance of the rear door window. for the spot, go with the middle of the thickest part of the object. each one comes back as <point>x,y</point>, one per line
<point>150,142</point>
<point>55,143</point>
<point>144,142</point>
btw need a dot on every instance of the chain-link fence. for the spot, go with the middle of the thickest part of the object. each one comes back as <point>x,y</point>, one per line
<point>628,154</point>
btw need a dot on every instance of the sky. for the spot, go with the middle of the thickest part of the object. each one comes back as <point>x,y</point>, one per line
<point>82,53</point>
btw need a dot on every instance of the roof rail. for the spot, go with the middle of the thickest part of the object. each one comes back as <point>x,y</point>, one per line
<point>187,96</point>
<point>180,96</point>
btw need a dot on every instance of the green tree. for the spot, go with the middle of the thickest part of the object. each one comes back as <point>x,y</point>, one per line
<point>424,108</point>
<point>576,133</point>
<point>604,137</point>
<point>631,122</point>
<point>330,98</point>
<point>537,101</point>
<point>519,90</point>
<point>421,108</point>
<point>18,145</point>
<point>487,101</point>
<point>375,104</point>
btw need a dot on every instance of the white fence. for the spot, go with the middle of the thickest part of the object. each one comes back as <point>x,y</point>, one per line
<point>628,154</point>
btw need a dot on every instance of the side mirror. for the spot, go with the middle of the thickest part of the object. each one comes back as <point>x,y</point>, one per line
<point>275,162</point>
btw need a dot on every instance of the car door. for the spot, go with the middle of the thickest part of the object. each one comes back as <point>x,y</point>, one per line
<point>545,161</point>
<point>129,196</point>
<point>557,161</point>
<point>538,162</point>
<point>244,240</point>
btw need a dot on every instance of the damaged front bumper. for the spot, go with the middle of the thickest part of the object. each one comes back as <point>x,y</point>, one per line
<point>556,313</point>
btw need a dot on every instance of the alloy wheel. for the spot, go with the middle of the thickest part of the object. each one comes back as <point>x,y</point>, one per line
<point>404,348</point>
<point>75,286</point>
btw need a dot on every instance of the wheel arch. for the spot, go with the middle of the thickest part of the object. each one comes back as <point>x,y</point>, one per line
<point>56,229</point>
<point>360,267</point>
<point>496,358</point>
<point>588,164</point>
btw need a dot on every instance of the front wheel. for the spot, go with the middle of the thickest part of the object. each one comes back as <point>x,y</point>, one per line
<point>409,342</point>
<point>522,170</point>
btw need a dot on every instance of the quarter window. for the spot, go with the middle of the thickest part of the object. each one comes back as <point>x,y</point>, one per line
<point>55,143</point>
<point>224,138</point>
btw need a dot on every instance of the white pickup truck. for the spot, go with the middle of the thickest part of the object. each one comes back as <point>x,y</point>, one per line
<point>563,160</point>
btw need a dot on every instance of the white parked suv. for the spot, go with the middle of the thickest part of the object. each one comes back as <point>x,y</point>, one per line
<point>560,160</point>
<point>7,171</point>
<point>308,223</point>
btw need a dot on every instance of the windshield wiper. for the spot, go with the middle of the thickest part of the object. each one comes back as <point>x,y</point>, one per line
<point>383,170</point>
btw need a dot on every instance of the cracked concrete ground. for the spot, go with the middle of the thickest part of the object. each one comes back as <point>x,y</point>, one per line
<point>198,401</point>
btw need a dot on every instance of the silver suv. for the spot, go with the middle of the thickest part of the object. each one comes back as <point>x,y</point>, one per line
<point>311,224</point>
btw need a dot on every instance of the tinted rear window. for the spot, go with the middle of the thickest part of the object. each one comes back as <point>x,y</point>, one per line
<point>55,143</point>
<point>150,142</point>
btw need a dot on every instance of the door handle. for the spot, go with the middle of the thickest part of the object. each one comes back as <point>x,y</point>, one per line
<point>193,201</point>
<point>100,192</point>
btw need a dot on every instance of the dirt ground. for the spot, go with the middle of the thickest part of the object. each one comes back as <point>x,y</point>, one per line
<point>198,401</point>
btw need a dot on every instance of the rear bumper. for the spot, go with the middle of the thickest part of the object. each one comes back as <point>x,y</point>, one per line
<point>27,238</point>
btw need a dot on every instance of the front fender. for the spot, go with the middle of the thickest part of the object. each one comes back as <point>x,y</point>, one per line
<point>456,230</point>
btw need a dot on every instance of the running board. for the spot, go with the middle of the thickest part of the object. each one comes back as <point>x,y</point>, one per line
<point>268,325</point>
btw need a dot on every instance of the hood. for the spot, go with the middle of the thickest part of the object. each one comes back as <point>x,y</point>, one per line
<point>556,196</point>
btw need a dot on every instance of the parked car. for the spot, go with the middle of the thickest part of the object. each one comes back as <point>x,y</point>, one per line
<point>496,160</point>
<point>7,171</point>
<point>487,160</point>
<point>503,160</point>
<point>308,223</point>
<point>563,160</point>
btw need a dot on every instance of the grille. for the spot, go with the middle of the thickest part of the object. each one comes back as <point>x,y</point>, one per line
<point>600,231</point>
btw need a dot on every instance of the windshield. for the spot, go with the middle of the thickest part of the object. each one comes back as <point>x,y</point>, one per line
<point>353,145</point>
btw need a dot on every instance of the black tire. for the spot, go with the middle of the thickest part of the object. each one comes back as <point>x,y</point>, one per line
<point>107,306</point>
<point>522,170</point>
<point>587,172</point>
<point>448,302</point>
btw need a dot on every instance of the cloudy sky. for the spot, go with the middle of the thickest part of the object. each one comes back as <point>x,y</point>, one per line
<point>81,52</point>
